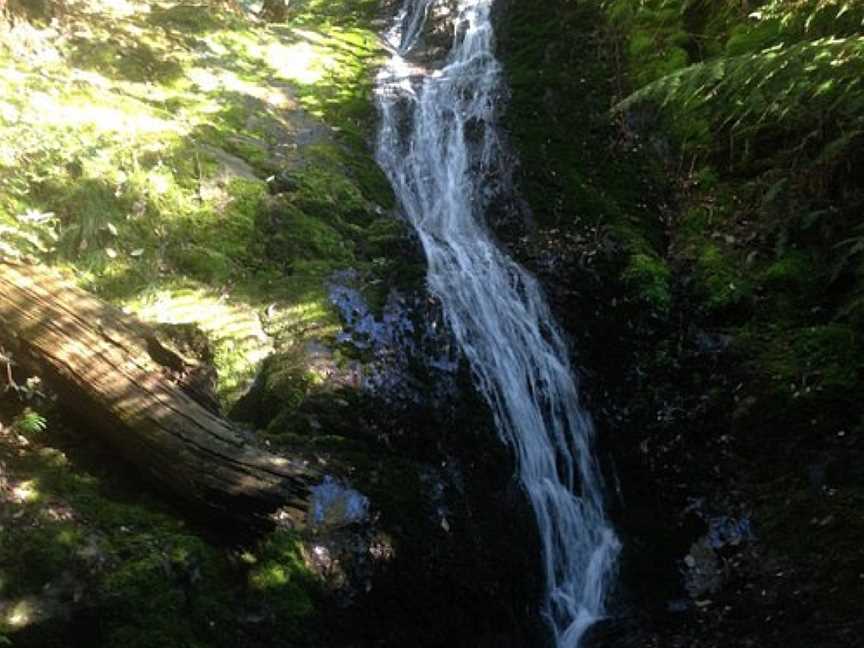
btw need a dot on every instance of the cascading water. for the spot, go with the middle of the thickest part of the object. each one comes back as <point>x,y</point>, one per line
<point>437,142</point>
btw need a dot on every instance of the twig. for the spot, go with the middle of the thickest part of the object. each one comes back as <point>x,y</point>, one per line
<point>6,358</point>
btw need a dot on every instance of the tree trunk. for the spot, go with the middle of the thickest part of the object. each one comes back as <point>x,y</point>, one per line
<point>113,371</point>
<point>274,10</point>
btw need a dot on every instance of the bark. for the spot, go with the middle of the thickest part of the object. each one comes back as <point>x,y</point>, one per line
<point>110,368</point>
<point>274,10</point>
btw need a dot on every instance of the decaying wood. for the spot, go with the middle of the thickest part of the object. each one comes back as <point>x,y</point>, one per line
<point>111,368</point>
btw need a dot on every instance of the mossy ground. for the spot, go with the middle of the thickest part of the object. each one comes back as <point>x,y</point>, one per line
<point>192,165</point>
<point>86,558</point>
<point>169,153</point>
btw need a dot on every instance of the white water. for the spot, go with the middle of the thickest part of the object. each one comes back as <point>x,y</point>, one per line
<point>437,142</point>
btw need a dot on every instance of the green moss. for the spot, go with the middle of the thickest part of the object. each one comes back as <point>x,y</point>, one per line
<point>152,580</point>
<point>794,271</point>
<point>187,18</point>
<point>558,119</point>
<point>130,60</point>
<point>143,170</point>
<point>30,558</point>
<point>650,277</point>
<point>298,235</point>
<point>721,278</point>
<point>282,385</point>
<point>819,361</point>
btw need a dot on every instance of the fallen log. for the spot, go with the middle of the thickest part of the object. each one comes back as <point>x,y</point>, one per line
<point>111,369</point>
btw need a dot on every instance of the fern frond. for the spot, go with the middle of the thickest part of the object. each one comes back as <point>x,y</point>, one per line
<point>784,87</point>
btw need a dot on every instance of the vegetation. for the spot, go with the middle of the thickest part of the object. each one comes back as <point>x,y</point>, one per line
<point>767,111</point>
<point>153,151</point>
<point>693,172</point>
<point>209,172</point>
<point>74,532</point>
<point>702,160</point>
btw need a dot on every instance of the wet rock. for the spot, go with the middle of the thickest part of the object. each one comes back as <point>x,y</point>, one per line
<point>704,574</point>
<point>334,504</point>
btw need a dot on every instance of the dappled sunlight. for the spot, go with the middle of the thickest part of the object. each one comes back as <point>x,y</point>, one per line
<point>20,613</point>
<point>232,327</point>
<point>165,156</point>
<point>118,8</point>
<point>140,160</point>
<point>215,81</point>
<point>299,62</point>
<point>53,112</point>
<point>25,492</point>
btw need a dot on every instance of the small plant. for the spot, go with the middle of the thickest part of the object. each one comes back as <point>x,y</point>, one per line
<point>29,422</point>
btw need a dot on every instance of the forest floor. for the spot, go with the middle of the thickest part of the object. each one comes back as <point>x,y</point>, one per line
<point>196,167</point>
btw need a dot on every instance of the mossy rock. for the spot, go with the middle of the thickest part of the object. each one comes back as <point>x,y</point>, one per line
<point>280,387</point>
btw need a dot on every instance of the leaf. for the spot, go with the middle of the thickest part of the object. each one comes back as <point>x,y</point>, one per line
<point>111,252</point>
<point>112,229</point>
<point>137,252</point>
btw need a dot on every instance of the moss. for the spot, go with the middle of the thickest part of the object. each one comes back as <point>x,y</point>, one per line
<point>298,235</point>
<point>280,567</point>
<point>650,277</point>
<point>148,577</point>
<point>724,286</point>
<point>814,361</point>
<point>131,61</point>
<point>281,386</point>
<point>141,154</point>
<point>794,271</point>
<point>559,123</point>
<point>187,18</point>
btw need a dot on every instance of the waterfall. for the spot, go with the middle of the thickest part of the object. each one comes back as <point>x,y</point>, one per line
<point>438,143</point>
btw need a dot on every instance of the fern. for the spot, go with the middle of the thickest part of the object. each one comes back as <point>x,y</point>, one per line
<point>29,423</point>
<point>814,17</point>
<point>797,88</point>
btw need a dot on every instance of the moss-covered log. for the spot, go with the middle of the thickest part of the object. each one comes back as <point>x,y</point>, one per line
<point>113,371</point>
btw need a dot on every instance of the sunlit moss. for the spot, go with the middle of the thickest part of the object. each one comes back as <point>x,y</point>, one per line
<point>152,156</point>
<point>281,570</point>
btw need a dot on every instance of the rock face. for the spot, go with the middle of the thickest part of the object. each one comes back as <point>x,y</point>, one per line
<point>399,417</point>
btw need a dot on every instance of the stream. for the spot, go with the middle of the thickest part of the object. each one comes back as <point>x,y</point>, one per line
<point>439,143</point>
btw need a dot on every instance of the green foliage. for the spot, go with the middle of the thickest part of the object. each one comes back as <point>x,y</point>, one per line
<point>724,285</point>
<point>813,18</point>
<point>152,580</point>
<point>154,151</point>
<point>650,276</point>
<point>794,271</point>
<point>30,423</point>
<point>809,367</point>
<point>656,38</point>
<point>767,93</point>
<point>145,151</point>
